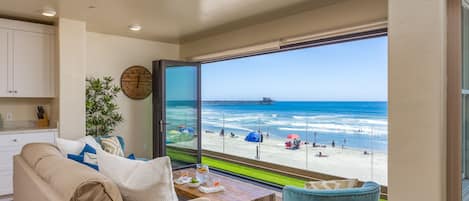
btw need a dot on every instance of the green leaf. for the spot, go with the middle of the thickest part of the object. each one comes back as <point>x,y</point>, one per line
<point>102,115</point>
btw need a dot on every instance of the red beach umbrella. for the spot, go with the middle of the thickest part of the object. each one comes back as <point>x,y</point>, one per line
<point>293,136</point>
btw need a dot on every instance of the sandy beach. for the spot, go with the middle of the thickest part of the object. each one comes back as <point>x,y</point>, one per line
<point>345,162</point>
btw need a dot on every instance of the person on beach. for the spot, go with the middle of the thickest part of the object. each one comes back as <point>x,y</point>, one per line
<point>333,143</point>
<point>222,132</point>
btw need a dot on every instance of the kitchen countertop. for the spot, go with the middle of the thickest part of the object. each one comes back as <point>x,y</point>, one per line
<point>23,130</point>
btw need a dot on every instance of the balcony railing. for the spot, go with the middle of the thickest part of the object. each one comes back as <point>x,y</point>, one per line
<point>353,152</point>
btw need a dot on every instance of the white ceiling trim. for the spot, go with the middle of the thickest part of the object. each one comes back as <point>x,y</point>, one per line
<point>249,50</point>
<point>334,33</point>
<point>275,45</point>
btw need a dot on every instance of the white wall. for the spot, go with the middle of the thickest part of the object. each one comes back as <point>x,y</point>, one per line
<point>72,62</point>
<point>24,109</point>
<point>109,55</point>
<point>417,100</point>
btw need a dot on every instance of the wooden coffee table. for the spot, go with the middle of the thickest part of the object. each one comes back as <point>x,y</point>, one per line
<point>235,190</point>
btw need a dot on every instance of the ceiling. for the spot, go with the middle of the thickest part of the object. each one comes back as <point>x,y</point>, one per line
<point>162,20</point>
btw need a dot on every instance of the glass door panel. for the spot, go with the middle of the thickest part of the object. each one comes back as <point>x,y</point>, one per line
<point>465,101</point>
<point>178,112</point>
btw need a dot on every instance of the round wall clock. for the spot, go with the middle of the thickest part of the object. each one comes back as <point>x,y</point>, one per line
<point>136,82</point>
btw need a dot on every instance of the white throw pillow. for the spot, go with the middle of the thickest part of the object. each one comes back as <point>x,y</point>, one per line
<point>139,180</point>
<point>69,146</point>
<point>91,141</point>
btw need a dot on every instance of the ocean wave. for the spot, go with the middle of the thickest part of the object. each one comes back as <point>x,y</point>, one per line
<point>317,117</point>
<point>342,118</point>
<point>356,122</point>
<point>366,121</point>
<point>226,126</point>
<point>346,129</point>
<point>243,118</point>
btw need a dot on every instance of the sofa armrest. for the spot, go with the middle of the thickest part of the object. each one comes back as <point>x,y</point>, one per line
<point>200,199</point>
<point>29,186</point>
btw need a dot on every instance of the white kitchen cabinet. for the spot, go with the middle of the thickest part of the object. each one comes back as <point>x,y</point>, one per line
<point>4,64</point>
<point>28,58</point>
<point>32,64</point>
<point>11,145</point>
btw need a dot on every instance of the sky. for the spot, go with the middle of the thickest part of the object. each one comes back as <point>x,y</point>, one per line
<point>181,83</point>
<point>349,71</point>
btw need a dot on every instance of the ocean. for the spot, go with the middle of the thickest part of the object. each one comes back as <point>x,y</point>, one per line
<point>354,125</point>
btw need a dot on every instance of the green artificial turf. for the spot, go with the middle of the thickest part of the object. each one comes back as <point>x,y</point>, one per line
<point>255,173</point>
<point>176,155</point>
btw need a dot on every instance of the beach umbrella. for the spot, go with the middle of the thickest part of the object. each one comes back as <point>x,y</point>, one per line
<point>253,137</point>
<point>293,136</point>
<point>190,129</point>
<point>187,130</point>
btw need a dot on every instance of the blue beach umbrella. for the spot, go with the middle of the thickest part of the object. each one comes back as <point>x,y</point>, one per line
<point>253,137</point>
<point>189,130</point>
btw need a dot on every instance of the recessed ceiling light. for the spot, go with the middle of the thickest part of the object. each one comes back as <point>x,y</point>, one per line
<point>135,27</point>
<point>49,12</point>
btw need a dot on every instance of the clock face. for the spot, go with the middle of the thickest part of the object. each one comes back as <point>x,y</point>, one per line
<point>136,82</point>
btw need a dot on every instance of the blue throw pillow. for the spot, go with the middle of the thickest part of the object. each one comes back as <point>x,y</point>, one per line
<point>131,157</point>
<point>76,158</point>
<point>80,159</point>
<point>88,149</point>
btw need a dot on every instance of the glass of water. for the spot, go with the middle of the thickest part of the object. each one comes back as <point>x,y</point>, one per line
<point>201,173</point>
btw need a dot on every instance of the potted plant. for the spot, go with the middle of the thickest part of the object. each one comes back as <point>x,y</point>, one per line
<point>102,115</point>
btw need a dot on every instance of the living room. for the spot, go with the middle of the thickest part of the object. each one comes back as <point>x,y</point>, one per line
<point>95,39</point>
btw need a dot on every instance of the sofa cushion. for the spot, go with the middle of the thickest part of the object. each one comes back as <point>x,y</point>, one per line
<point>332,184</point>
<point>34,152</point>
<point>72,180</point>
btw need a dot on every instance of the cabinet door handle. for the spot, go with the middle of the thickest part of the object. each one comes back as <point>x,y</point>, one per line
<point>15,140</point>
<point>10,91</point>
<point>15,91</point>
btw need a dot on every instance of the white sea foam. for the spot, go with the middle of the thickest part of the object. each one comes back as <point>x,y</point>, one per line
<point>328,123</point>
<point>226,126</point>
<point>363,131</point>
<point>242,118</point>
<point>317,117</point>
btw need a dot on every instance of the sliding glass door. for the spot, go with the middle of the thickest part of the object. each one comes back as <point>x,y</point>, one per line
<point>176,109</point>
<point>465,101</point>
